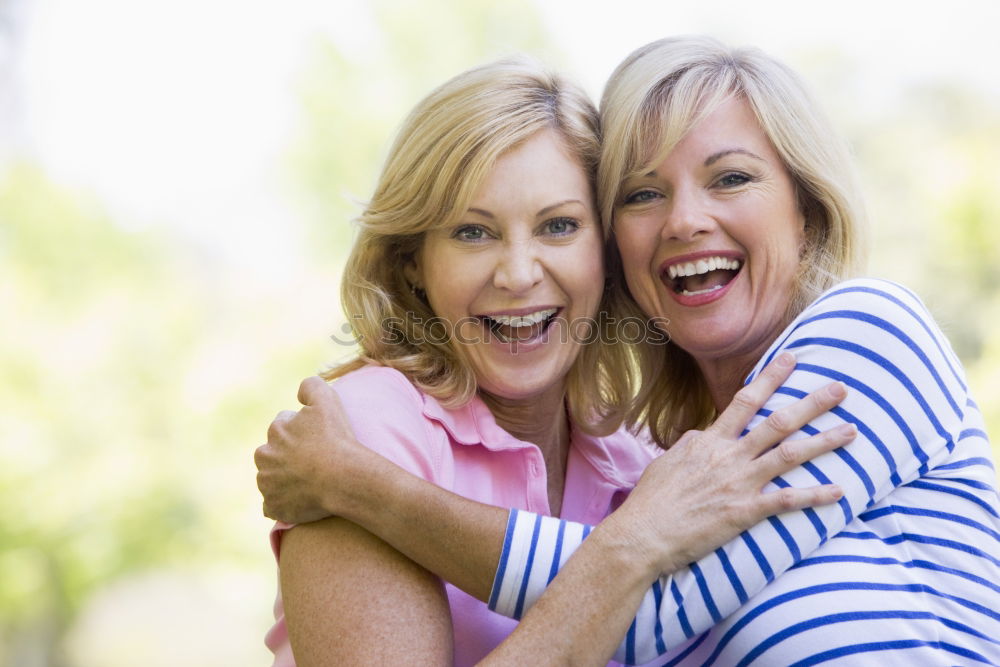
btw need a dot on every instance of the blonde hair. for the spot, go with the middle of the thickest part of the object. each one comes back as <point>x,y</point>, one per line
<point>649,104</point>
<point>443,152</point>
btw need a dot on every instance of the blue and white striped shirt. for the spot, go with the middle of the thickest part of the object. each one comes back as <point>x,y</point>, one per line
<point>904,570</point>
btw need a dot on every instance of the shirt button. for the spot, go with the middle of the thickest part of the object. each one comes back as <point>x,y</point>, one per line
<point>533,467</point>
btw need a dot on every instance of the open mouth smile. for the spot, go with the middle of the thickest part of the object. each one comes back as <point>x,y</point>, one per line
<point>520,328</point>
<point>701,276</point>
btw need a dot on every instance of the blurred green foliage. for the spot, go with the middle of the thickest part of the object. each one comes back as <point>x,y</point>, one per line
<point>137,373</point>
<point>351,108</point>
<point>131,404</point>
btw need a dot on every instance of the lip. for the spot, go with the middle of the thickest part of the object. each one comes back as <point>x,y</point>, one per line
<point>695,256</point>
<point>709,297</point>
<point>515,312</point>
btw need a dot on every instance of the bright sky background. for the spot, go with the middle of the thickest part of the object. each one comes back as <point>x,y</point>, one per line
<point>180,112</point>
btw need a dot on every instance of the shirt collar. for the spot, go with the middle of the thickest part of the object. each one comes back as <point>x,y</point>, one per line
<point>472,424</point>
<point>614,457</point>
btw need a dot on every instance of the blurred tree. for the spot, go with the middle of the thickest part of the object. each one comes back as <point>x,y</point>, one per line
<point>930,173</point>
<point>137,373</point>
<point>127,385</point>
<point>353,100</point>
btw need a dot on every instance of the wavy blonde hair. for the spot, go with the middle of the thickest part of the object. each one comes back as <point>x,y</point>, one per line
<point>652,100</point>
<point>443,152</point>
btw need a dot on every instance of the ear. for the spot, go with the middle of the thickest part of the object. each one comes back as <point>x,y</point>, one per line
<point>413,272</point>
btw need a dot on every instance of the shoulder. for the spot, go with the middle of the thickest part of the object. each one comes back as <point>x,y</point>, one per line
<point>853,299</point>
<point>374,386</point>
<point>878,333</point>
<point>890,318</point>
<point>876,313</point>
<point>387,414</point>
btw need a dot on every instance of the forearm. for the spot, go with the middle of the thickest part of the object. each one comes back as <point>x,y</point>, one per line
<point>890,450</point>
<point>585,612</point>
<point>458,539</point>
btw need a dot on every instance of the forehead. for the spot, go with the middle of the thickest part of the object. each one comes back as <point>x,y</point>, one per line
<point>731,122</point>
<point>539,169</point>
<point>728,127</point>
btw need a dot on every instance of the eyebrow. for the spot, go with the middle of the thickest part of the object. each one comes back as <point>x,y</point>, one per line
<point>552,207</point>
<point>479,211</point>
<point>714,157</point>
<point>544,211</point>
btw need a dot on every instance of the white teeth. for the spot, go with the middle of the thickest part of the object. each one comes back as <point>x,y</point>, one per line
<point>528,320</point>
<point>701,291</point>
<point>703,265</point>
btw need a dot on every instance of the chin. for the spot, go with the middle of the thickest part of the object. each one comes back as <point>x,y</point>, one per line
<point>517,387</point>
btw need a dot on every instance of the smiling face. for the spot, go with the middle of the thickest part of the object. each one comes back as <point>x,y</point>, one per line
<point>711,239</point>
<point>519,266</point>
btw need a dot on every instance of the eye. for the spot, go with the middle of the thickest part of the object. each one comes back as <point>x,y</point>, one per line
<point>560,226</point>
<point>642,196</point>
<point>469,233</point>
<point>733,179</point>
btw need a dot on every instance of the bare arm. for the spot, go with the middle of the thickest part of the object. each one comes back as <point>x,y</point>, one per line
<point>350,598</point>
<point>677,514</point>
<point>426,521</point>
<point>587,609</point>
<point>313,466</point>
<point>906,405</point>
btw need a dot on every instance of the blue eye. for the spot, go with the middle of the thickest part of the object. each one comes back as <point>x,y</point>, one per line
<point>469,233</point>
<point>641,197</point>
<point>561,226</point>
<point>733,179</point>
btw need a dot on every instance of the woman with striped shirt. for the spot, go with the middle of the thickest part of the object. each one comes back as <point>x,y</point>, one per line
<point>737,224</point>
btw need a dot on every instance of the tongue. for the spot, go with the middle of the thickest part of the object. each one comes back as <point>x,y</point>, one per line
<point>520,333</point>
<point>706,281</point>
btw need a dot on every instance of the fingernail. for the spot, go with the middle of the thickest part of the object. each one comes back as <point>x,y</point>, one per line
<point>837,390</point>
<point>848,430</point>
<point>786,359</point>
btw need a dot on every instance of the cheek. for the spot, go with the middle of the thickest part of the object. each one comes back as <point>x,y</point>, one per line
<point>583,283</point>
<point>636,257</point>
<point>448,294</point>
<point>625,242</point>
<point>629,249</point>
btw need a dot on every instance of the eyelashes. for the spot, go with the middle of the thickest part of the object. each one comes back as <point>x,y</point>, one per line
<point>734,179</point>
<point>561,226</point>
<point>729,180</point>
<point>469,233</point>
<point>556,227</point>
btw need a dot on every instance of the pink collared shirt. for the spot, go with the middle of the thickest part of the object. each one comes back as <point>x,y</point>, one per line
<point>465,451</point>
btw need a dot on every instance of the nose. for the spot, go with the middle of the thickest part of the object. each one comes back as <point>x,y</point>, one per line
<point>519,268</point>
<point>687,216</point>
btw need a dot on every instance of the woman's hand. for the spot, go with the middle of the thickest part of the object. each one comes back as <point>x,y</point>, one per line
<point>697,496</point>
<point>707,488</point>
<point>306,469</point>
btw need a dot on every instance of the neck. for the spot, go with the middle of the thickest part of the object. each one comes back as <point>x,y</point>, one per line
<point>724,378</point>
<point>542,421</point>
<point>725,374</point>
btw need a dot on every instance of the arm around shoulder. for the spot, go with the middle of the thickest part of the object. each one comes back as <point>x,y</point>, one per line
<point>457,538</point>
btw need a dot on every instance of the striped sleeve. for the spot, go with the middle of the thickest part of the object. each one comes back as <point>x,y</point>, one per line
<point>907,396</point>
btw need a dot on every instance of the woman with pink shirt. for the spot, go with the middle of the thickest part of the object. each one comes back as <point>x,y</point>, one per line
<point>474,288</point>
